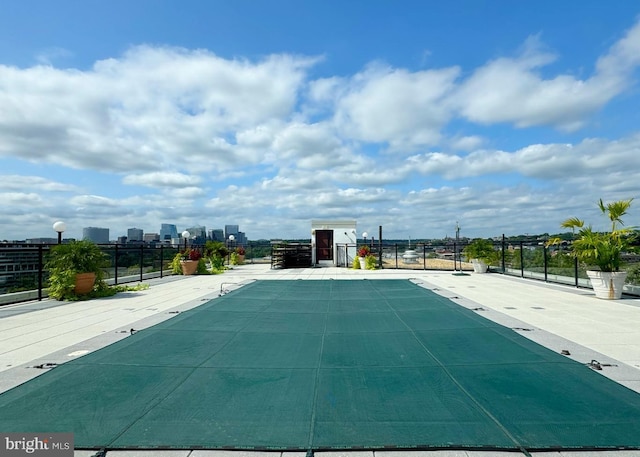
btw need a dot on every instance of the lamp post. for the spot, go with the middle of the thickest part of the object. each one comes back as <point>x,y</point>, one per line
<point>59,227</point>
<point>365,235</point>
<point>186,236</point>
<point>230,242</point>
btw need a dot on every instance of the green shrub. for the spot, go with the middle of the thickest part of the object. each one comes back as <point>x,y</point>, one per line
<point>66,260</point>
<point>370,262</point>
<point>235,258</point>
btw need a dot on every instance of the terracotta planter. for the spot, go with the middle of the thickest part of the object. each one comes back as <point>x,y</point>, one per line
<point>607,285</point>
<point>84,283</point>
<point>189,267</point>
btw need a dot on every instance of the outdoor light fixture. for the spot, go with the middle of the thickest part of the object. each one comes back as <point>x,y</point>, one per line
<point>229,243</point>
<point>186,236</point>
<point>59,227</point>
<point>365,235</point>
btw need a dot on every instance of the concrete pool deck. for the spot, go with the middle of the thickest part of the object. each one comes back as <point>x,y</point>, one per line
<point>558,317</point>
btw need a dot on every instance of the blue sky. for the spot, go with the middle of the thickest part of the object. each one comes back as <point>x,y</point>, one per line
<point>507,117</point>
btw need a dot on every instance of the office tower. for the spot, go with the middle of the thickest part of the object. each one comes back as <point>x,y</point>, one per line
<point>135,234</point>
<point>149,237</point>
<point>98,235</point>
<point>168,232</point>
<point>230,230</point>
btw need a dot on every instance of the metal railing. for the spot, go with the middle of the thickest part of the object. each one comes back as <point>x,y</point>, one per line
<point>526,258</point>
<point>23,274</point>
<point>24,277</point>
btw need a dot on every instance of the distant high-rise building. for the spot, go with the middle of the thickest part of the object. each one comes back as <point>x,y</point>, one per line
<point>135,234</point>
<point>168,232</point>
<point>216,235</point>
<point>239,238</point>
<point>149,237</point>
<point>198,234</point>
<point>98,235</point>
<point>230,230</point>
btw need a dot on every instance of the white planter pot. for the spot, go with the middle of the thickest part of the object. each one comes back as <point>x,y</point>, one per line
<point>479,266</point>
<point>363,265</point>
<point>607,285</point>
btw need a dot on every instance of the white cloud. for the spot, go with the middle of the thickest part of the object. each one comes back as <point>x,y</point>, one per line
<point>22,182</point>
<point>29,199</point>
<point>162,179</point>
<point>513,90</point>
<point>466,143</point>
<point>153,108</point>
<point>82,202</point>
<point>395,106</point>
<point>259,142</point>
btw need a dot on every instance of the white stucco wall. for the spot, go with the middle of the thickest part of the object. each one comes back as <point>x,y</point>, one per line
<point>344,233</point>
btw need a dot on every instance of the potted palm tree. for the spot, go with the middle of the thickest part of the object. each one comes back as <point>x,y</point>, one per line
<point>75,268</point>
<point>481,253</point>
<point>603,250</point>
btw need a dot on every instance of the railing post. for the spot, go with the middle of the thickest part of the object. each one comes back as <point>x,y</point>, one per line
<point>424,256</point>
<point>40,272</point>
<point>504,263</point>
<point>546,264</point>
<point>396,249</point>
<point>161,259</point>
<point>115,265</point>
<point>141,260</point>
<point>521,260</point>
<point>380,246</point>
<point>455,257</point>
<point>575,270</point>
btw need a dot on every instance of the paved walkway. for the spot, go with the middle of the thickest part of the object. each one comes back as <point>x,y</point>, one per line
<point>559,317</point>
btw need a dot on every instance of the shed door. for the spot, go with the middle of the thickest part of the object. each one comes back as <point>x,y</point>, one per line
<point>324,244</point>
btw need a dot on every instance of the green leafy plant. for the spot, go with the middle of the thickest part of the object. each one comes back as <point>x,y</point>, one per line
<point>189,254</point>
<point>235,258</point>
<point>67,260</point>
<point>217,264</point>
<point>601,249</point>
<point>356,263</point>
<point>176,267</point>
<point>218,248</point>
<point>370,262</point>
<point>482,250</point>
<point>202,267</point>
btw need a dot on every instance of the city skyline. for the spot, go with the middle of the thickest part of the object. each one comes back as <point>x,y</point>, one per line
<point>499,116</point>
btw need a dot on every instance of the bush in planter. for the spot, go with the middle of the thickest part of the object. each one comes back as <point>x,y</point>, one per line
<point>67,260</point>
<point>356,263</point>
<point>189,254</point>
<point>215,248</point>
<point>602,250</point>
<point>364,251</point>
<point>370,262</point>
<point>217,264</point>
<point>482,250</point>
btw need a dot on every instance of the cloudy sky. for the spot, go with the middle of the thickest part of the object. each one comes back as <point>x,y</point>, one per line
<point>507,117</point>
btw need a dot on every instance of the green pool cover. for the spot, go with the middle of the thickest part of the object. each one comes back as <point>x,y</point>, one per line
<point>309,365</point>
